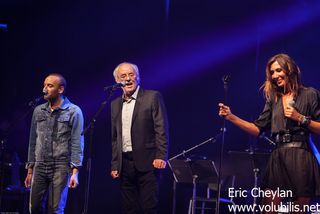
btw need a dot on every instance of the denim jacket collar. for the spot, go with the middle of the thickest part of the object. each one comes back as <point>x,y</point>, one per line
<point>65,105</point>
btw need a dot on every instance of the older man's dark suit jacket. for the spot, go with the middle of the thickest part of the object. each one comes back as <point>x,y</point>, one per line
<point>149,130</point>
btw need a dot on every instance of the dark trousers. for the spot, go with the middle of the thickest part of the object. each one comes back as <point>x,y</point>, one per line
<point>139,190</point>
<point>51,180</point>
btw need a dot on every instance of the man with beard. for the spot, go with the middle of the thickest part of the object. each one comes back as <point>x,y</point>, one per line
<point>55,148</point>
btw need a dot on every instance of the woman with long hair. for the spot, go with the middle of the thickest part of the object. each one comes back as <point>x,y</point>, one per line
<point>291,113</point>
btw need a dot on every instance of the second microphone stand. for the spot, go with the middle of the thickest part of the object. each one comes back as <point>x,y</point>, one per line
<point>183,153</point>
<point>225,80</point>
<point>90,126</point>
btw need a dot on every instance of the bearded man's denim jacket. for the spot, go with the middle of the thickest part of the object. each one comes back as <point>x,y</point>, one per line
<point>55,135</point>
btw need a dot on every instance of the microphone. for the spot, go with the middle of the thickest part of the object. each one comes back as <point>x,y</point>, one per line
<point>291,103</point>
<point>35,101</point>
<point>226,78</point>
<point>115,86</point>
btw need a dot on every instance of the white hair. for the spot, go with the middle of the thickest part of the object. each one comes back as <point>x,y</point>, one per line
<point>134,67</point>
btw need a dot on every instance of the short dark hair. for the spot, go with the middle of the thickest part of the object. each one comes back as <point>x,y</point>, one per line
<point>63,81</point>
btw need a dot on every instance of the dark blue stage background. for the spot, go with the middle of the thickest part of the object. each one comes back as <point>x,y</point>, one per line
<point>182,47</point>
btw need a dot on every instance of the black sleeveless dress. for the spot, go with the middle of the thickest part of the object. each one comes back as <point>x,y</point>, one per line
<point>292,168</point>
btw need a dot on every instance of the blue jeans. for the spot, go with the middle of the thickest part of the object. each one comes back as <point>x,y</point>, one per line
<point>51,179</point>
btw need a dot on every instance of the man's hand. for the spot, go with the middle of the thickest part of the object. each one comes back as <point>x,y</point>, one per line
<point>74,182</point>
<point>159,164</point>
<point>27,181</point>
<point>114,174</point>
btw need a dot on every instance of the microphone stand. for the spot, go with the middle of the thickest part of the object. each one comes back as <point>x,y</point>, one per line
<point>183,153</point>
<point>89,161</point>
<point>32,104</point>
<point>213,139</point>
<point>225,80</point>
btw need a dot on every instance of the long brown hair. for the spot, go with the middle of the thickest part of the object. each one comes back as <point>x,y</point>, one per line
<point>292,78</point>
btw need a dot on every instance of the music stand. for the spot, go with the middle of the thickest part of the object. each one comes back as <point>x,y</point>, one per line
<point>258,160</point>
<point>192,171</point>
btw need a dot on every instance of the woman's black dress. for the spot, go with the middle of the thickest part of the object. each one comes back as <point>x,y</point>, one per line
<point>292,168</point>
